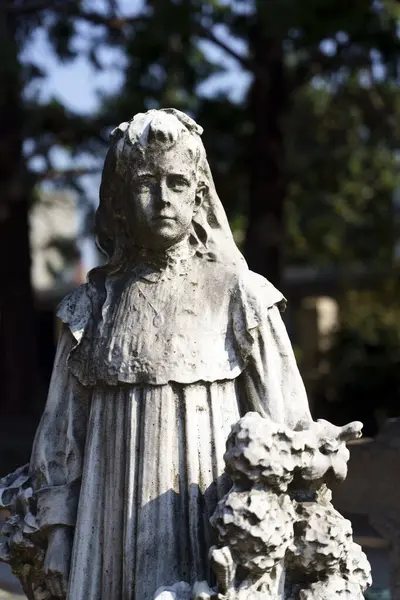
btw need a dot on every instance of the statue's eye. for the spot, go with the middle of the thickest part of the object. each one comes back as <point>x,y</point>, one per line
<point>177,182</point>
<point>146,180</point>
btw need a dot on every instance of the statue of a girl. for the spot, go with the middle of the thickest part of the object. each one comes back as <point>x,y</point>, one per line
<point>164,348</point>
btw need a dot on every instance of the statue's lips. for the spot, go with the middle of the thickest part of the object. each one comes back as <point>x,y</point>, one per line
<point>164,218</point>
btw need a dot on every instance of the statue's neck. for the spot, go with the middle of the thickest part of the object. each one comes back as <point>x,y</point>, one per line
<point>160,259</point>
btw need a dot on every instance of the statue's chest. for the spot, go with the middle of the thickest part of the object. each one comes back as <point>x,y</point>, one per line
<point>167,327</point>
<point>168,307</point>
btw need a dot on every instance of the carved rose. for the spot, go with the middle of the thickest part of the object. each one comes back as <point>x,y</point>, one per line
<point>256,525</point>
<point>333,587</point>
<point>356,567</point>
<point>322,538</point>
<point>259,450</point>
<point>324,454</point>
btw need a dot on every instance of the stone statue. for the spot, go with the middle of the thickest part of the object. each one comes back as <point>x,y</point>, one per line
<point>162,351</point>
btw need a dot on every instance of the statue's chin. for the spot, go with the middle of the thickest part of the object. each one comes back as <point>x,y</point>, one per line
<point>164,236</point>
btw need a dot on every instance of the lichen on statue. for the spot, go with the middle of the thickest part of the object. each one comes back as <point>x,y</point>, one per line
<point>162,350</point>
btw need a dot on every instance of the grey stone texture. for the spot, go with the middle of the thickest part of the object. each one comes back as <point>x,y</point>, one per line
<point>170,344</point>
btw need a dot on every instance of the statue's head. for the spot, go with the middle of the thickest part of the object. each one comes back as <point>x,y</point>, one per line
<point>153,184</point>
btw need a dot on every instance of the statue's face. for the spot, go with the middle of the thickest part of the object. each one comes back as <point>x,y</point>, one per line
<point>164,197</point>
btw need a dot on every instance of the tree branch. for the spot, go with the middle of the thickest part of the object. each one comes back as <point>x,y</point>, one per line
<point>30,6</point>
<point>52,174</point>
<point>211,37</point>
<point>112,22</point>
<point>320,63</point>
<point>116,23</point>
<point>113,7</point>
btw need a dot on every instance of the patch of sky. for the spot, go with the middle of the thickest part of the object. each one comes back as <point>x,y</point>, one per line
<point>234,80</point>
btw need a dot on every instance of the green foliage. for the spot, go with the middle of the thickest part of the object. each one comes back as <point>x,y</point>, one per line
<point>342,134</point>
<point>343,176</point>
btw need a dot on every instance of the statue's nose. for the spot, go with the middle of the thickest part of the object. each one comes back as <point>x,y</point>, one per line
<point>164,193</point>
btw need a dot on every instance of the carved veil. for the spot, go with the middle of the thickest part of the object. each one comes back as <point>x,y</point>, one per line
<point>210,233</point>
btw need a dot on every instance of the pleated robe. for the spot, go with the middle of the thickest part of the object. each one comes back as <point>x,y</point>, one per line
<point>134,462</point>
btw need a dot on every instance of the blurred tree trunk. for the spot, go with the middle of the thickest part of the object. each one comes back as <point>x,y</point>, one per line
<point>17,326</point>
<point>265,232</point>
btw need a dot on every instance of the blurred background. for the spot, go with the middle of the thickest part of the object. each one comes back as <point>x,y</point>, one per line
<point>300,107</point>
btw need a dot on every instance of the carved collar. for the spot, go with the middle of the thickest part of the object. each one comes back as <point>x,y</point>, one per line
<point>155,266</point>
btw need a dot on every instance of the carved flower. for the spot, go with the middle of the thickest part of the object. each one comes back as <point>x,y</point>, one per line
<point>256,525</point>
<point>356,567</point>
<point>330,588</point>
<point>322,450</point>
<point>322,539</point>
<point>259,451</point>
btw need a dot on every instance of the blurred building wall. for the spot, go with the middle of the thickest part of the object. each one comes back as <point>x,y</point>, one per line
<point>56,269</point>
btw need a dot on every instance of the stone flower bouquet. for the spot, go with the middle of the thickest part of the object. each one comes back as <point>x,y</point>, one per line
<point>279,535</point>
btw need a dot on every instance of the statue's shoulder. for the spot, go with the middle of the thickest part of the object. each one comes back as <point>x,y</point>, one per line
<point>76,309</point>
<point>250,297</point>
<point>257,289</point>
<point>244,286</point>
<point>247,285</point>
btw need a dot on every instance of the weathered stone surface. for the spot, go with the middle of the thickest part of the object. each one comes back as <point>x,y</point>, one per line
<point>162,351</point>
<point>260,450</point>
<point>279,535</point>
<point>23,547</point>
<point>257,525</point>
<point>278,516</point>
